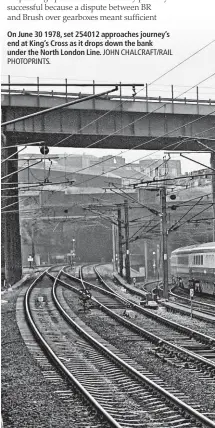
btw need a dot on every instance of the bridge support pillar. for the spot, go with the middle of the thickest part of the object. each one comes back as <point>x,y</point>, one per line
<point>11,245</point>
<point>213,191</point>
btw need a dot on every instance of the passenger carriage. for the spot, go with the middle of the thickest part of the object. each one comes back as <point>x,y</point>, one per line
<point>196,263</point>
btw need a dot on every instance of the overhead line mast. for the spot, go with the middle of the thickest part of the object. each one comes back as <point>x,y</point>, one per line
<point>213,191</point>
<point>164,242</point>
<point>120,242</point>
<point>127,254</point>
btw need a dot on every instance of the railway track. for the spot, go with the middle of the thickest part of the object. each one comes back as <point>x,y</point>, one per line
<point>198,304</point>
<point>80,411</point>
<point>108,285</point>
<point>174,341</point>
<point>123,395</point>
<point>200,298</point>
<point>165,425</point>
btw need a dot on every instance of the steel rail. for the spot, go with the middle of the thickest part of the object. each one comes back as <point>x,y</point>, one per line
<point>201,311</point>
<point>200,336</point>
<point>122,299</point>
<point>195,303</point>
<point>132,371</point>
<point>153,337</point>
<point>142,293</point>
<point>208,305</point>
<point>198,312</point>
<point>199,306</point>
<point>139,330</point>
<point>57,362</point>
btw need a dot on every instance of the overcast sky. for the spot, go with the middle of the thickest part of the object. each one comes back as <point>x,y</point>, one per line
<point>191,26</point>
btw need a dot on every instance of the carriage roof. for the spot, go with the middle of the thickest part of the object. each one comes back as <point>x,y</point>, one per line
<point>201,248</point>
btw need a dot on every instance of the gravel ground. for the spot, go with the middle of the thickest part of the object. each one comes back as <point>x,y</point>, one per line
<point>28,400</point>
<point>190,384</point>
<point>194,323</point>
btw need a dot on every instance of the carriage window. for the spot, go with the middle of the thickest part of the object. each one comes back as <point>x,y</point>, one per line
<point>183,260</point>
<point>198,260</point>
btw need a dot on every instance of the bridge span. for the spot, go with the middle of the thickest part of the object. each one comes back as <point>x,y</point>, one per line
<point>110,121</point>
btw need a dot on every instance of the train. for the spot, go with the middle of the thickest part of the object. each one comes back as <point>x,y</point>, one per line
<point>194,266</point>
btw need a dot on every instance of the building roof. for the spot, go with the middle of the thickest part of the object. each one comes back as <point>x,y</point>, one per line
<point>155,161</point>
<point>131,173</point>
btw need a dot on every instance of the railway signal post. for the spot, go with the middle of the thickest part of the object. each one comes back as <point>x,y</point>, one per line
<point>191,301</point>
<point>30,260</point>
